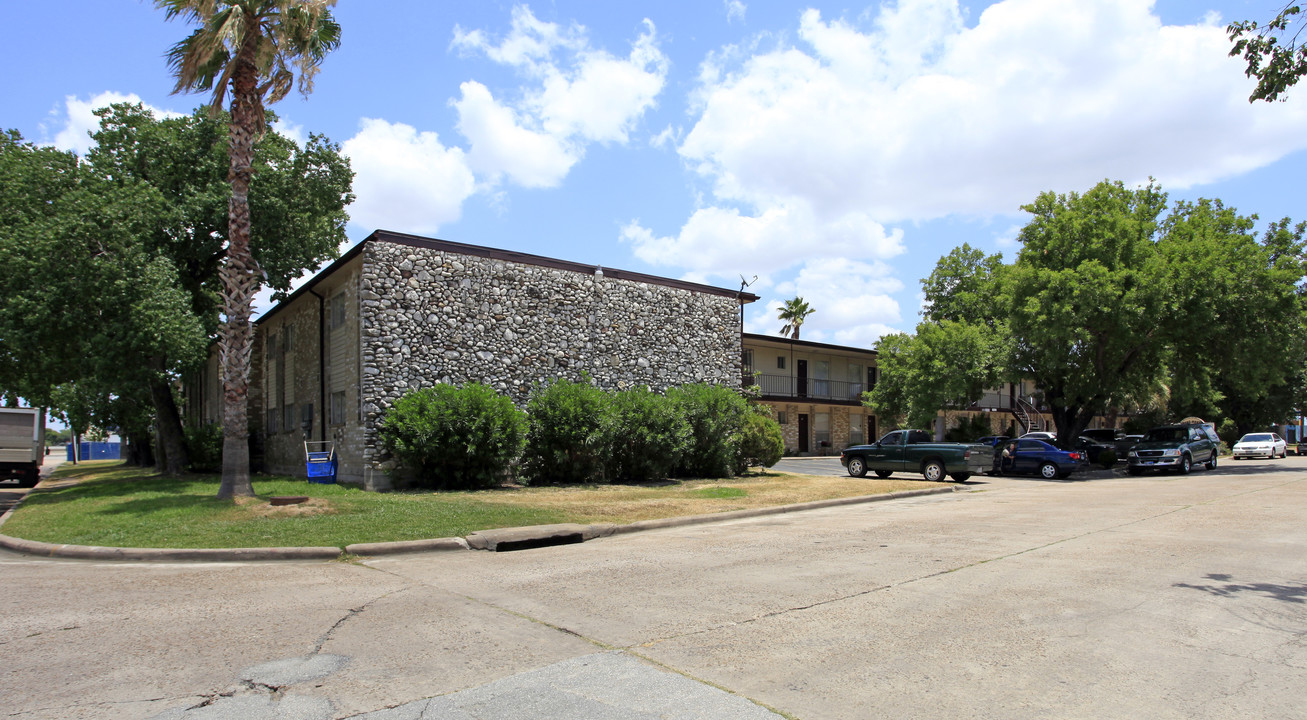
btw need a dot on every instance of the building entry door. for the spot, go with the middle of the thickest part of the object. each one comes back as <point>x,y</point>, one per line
<point>803,431</point>
<point>871,429</point>
<point>802,369</point>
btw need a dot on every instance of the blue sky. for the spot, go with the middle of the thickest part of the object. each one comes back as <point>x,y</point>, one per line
<point>835,151</point>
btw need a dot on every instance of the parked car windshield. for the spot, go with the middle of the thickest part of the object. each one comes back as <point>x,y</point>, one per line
<point>1168,434</point>
<point>1256,437</point>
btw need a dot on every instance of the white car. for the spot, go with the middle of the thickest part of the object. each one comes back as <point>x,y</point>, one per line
<point>1268,445</point>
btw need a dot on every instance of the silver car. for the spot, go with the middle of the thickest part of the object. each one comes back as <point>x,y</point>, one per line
<point>1268,445</point>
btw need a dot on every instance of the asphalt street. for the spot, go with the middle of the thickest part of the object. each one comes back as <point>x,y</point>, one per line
<point>1113,597</point>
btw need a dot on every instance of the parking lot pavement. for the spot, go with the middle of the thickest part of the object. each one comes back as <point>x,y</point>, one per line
<point>1158,596</point>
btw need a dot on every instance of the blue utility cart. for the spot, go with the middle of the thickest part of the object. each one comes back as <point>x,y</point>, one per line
<point>320,461</point>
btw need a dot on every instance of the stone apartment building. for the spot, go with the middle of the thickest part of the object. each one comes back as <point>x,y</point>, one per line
<point>400,312</point>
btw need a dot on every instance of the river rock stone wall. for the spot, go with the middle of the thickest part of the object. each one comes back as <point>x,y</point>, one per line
<point>434,316</point>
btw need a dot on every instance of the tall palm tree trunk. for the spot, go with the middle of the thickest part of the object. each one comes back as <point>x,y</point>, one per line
<point>239,275</point>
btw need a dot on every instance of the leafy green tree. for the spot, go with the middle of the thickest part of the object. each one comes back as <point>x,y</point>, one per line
<point>248,47</point>
<point>1240,340</point>
<point>1272,52</point>
<point>1089,300</point>
<point>946,364</point>
<point>1114,302</point>
<point>794,312</point>
<point>110,274</point>
<point>84,301</point>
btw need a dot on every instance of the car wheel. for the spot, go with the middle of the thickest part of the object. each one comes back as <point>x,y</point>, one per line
<point>1186,464</point>
<point>882,474</point>
<point>857,468</point>
<point>933,471</point>
<point>1211,464</point>
<point>1048,471</point>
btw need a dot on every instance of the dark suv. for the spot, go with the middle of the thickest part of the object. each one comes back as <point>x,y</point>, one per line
<point>1175,447</point>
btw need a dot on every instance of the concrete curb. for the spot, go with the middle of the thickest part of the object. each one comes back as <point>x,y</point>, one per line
<point>407,546</point>
<point>95,552</point>
<point>498,539</point>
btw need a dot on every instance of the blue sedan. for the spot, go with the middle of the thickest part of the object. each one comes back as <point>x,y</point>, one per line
<point>1036,457</point>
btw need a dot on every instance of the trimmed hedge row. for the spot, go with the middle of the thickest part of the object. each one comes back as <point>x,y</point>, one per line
<point>573,432</point>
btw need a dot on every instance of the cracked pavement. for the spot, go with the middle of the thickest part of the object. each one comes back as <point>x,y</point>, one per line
<point>1160,597</point>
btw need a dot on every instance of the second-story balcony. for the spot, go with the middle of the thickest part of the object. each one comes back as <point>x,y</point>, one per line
<point>786,386</point>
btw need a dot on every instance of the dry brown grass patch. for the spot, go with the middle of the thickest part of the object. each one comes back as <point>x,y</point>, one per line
<point>626,503</point>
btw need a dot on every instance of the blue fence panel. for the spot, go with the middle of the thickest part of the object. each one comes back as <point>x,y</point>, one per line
<point>97,451</point>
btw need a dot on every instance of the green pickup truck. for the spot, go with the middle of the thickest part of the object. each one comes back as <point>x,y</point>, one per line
<point>913,451</point>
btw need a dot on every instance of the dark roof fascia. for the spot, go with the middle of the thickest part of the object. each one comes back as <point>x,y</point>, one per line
<point>497,254</point>
<point>350,254</point>
<point>528,259</point>
<point>806,343</point>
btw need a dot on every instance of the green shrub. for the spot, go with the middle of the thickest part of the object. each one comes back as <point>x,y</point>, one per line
<point>564,439</point>
<point>761,442</point>
<point>644,436</point>
<point>968,429</point>
<point>203,447</point>
<point>455,438</point>
<point>1107,458</point>
<point>715,415</point>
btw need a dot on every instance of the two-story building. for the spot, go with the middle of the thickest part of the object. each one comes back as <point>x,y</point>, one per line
<point>814,389</point>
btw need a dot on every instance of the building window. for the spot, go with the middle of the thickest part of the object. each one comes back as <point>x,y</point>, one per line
<point>871,378</point>
<point>855,429</point>
<point>821,378</point>
<point>855,381</point>
<point>780,418</point>
<point>337,311</point>
<point>780,362</point>
<point>289,411</point>
<point>273,415</point>
<point>746,357</point>
<point>821,429</point>
<point>306,417</point>
<point>337,411</point>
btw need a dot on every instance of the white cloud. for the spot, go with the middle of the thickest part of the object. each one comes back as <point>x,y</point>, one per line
<point>851,300</point>
<point>577,95</point>
<point>810,149</point>
<point>79,120</point>
<point>722,241</point>
<point>406,180</point>
<point>292,131</point>
<point>735,10</point>
<point>918,116</point>
<point>501,145</point>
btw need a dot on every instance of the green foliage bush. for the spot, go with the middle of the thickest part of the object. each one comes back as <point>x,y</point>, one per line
<point>761,441</point>
<point>968,429</point>
<point>644,436</point>
<point>455,438</point>
<point>204,447</point>
<point>564,439</point>
<point>715,415</point>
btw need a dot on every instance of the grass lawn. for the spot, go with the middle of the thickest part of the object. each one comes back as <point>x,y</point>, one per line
<point>107,503</point>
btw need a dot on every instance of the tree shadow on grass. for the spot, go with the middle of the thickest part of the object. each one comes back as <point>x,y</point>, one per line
<point>1222,585</point>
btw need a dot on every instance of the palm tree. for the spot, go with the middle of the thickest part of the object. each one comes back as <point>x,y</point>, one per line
<point>255,48</point>
<point>793,312</point>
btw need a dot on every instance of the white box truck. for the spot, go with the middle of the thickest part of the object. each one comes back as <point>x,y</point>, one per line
<point>22,446</point>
